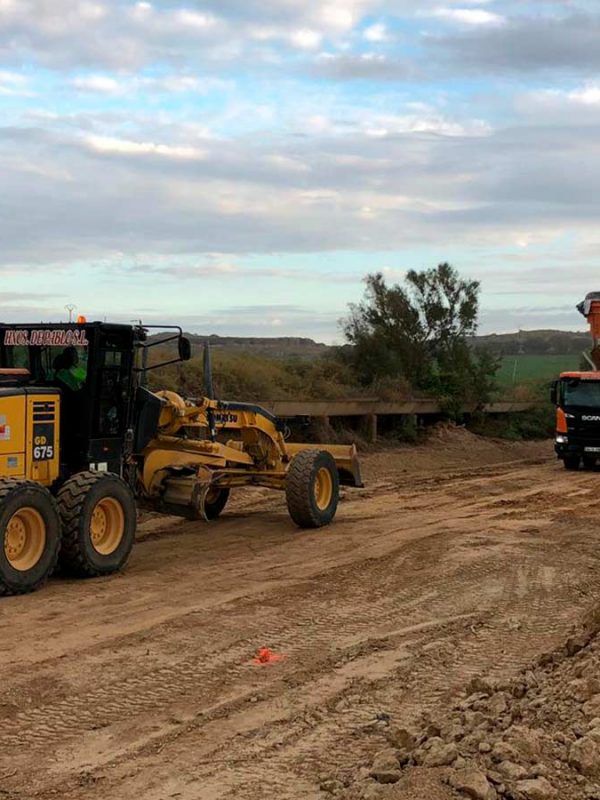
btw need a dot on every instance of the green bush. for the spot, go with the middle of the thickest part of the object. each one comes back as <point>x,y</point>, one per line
<point>405,430</point>
<point>245,377</point>
<point>536,423</point>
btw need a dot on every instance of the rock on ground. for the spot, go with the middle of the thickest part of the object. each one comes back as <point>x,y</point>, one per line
<point>473,783</point>
<point>537,789</point>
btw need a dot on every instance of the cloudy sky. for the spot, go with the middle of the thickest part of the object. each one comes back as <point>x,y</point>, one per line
<point>240,165</point>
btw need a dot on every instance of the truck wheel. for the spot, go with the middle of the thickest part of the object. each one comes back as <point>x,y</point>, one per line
<point>215,502</point>
<point>589,462</point>
<point>571,462</point>
<point>312,488</point>
<point>99,519</point>
<point>30,536</point>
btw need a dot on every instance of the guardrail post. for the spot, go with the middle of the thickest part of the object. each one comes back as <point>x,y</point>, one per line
<point>371,427</point>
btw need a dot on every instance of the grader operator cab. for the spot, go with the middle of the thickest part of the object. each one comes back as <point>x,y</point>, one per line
<point>83,443</point>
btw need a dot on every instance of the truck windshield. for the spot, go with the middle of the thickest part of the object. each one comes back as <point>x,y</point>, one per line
<point>581,393</point>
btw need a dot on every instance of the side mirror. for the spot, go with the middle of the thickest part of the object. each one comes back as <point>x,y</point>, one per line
<point>184,348</point>
<point>554,393</point>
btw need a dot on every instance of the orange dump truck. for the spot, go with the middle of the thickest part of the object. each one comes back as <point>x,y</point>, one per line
<point>576,396</point>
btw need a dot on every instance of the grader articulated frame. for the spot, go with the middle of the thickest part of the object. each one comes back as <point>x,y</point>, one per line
<point>256,455</point>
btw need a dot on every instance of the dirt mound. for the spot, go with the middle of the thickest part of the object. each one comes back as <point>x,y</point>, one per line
<point>451,447</point>
<point>533,737</point>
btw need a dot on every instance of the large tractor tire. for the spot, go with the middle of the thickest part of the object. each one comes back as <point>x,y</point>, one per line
<point>571,462</point>
<point>312,488</point>
<point>29,536</point>
<point>215,502</point>
<point>99,519</point>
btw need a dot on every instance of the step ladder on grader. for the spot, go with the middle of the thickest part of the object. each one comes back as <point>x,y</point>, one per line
<point>84,443</point>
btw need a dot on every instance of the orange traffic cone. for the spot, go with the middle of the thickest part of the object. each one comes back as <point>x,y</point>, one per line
<point>266,656</point>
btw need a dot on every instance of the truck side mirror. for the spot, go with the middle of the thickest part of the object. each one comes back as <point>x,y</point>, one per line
<point>554,392</point>
<point>185,348</point>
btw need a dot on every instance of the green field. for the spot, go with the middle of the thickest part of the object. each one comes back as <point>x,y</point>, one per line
<point>524,368</point>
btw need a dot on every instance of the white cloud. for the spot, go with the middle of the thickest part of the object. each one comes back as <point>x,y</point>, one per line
<point>92,11</point>
<point>14,84</point>
<point>376,33</point>
<point>588,95</point>
<point>173,83</point>
<point>549,107</point>
<point>113,145</point>
<point>194,19</point>
<point>306,39</point>
<point>102,84</point>
<point>286,163</point>
<point>340,16</point>
<point>469,16</point>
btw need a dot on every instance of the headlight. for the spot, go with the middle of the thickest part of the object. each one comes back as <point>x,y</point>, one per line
<point>560,439</point>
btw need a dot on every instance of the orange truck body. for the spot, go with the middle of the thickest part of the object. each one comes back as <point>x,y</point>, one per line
<point>576,395</point>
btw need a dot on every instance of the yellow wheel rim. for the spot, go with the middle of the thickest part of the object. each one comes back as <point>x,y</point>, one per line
<point>25,539</point>
<point>107,526</point>
<point>323,488</point>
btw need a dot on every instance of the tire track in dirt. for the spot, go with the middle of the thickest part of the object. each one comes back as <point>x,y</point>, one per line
<point>164,687</point>
<point>425,600</point>
<point>547,623</point>
<point>314,628</point>
<point>426,680</point>
<point>311,631</point>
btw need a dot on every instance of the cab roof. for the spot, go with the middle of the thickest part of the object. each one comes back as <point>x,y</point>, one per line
<point>59,326</point>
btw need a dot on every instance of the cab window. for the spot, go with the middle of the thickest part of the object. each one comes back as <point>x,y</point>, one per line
<point>55,366</point>
<point>65,366</point>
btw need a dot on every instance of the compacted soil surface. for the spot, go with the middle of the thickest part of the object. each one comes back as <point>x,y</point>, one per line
<point>438,640</point>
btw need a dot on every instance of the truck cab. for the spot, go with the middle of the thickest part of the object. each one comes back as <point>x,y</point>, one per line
<point>576,396</point>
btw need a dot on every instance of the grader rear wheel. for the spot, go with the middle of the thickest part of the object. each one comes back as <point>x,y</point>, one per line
<point>29,535</point>
<point>312,488</point>
<point>107,525</point>
<point>99,518</point>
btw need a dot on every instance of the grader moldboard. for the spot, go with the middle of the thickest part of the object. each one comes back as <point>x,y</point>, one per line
<point>83,442</point>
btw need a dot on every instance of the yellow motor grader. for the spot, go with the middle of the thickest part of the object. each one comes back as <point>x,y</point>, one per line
<point>84,443</point>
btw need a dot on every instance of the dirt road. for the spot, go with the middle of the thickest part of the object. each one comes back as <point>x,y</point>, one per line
<point>461,557</point>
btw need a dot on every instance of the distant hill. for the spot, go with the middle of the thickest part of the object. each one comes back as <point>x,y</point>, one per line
<point>271,347</point>
<point>539,343</point>
<point>535,343</point>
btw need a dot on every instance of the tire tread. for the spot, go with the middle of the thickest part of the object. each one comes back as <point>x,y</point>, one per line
<point>8,485</point>
<point>298,487</point>
<point>71,499</point>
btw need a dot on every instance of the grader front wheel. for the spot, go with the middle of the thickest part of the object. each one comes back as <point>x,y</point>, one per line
<point>29,536</point>
<point>312,488</point>
<point>99,518</point>
<point>215,502</point>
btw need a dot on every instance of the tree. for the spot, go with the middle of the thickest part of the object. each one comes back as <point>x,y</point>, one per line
<point>386,333</point>
<point>419,332</point>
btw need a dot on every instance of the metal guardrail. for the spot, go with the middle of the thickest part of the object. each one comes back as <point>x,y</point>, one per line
<point>366,407</point>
